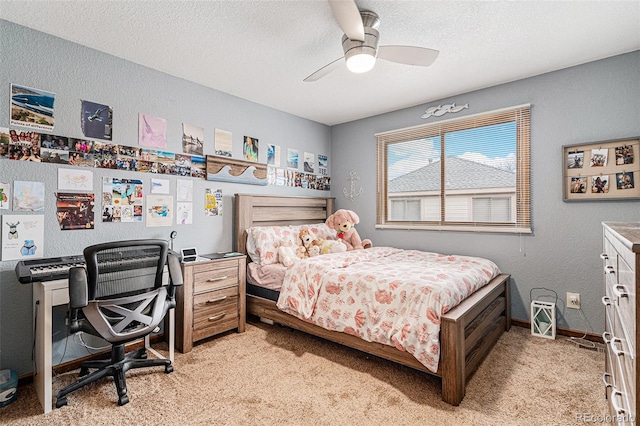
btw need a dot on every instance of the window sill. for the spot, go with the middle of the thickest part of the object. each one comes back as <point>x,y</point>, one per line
<point>483,229</point>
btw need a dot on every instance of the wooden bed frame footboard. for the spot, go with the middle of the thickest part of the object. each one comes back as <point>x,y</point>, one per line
<point>467,333</point>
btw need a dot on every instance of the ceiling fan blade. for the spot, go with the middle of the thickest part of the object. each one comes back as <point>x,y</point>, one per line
<point>324,71</point>
<point>409,55</point>
<point>348,16</point>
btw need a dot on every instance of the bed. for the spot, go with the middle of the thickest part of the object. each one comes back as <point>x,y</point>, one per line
<point>467,332</point>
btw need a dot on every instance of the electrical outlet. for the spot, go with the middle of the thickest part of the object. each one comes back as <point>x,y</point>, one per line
<point>573,300</point>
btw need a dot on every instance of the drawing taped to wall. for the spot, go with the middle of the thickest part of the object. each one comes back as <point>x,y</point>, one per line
<point>159,186</point>
<point>32,108</point>
<point>250,148</point>
<point>192,139</point>
<point>122,200</point>
<point>152,131</point>
<point>222,143</point>
<point>292,159</point>
<point>184,190</point>
<point>22,237</point>
<point>4,143</point>
<point>213,202</point>
<point>323,165</point>
<point>159,210</point>
<point>273,155</point>
<point>309,162</point>
<point>75,210</point>
<point>185,213</point>
<point>96,120</point>
<point>74,179</point>
<point>28,196</point>
<point>5,195</point>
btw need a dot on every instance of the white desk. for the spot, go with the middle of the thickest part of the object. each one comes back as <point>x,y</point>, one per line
<point>46,295</point>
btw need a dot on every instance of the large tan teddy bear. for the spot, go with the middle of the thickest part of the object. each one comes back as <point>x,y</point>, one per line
<point>343,221</point>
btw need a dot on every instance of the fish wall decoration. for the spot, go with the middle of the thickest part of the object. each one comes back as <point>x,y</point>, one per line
<point>441,110</point>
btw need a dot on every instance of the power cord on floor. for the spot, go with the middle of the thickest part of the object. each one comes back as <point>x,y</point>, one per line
<point>583,341</point>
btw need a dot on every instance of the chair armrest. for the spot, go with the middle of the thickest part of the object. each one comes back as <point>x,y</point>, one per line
<point>78,297</point>
<point>175,270</point>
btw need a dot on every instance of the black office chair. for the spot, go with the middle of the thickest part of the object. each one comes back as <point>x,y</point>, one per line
<point>119,295</point>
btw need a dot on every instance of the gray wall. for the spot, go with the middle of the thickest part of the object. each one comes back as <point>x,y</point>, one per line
<point>587,103</point>
<point>76,73</point>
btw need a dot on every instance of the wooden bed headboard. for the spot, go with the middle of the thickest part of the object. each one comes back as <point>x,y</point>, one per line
<point>268,210</point>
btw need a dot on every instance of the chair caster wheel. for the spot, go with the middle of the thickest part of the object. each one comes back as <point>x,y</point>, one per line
<point>61,401</point>
<point>123,400</point>
<point>168,369</point>
<point>83,372</point>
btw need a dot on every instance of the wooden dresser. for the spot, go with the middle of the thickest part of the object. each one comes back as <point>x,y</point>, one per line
<point>621,258</point>
<point>211,301</point>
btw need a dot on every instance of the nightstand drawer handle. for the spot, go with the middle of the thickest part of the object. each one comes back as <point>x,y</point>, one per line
<point>217,317</point>
<point>606,376</point>
<point>620,290</point>
<point>219,299</point>
<point>606,301</point>
<point>618,409</point>
<point>604,256</point>
<point>210,280</point>
<point>609,269</point>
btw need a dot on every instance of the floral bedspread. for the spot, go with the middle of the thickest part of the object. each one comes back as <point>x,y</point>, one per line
<point>386,295</point>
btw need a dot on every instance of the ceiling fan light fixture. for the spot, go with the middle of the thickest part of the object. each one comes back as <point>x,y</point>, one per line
<point>360,56</point>
<point>360,62</point>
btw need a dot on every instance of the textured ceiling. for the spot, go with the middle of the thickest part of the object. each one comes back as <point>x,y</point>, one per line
<point>262,50</point>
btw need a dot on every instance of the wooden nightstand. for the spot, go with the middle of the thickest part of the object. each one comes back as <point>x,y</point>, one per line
<point>211,301</point>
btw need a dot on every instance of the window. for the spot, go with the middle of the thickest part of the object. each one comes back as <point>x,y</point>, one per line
<point>467,174</point>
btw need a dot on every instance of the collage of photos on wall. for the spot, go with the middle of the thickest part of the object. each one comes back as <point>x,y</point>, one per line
<point>47,148</point>
<point>602,170</point>
<point>295,179</point>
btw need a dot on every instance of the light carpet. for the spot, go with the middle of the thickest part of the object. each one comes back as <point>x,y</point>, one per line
<point>273,375</point>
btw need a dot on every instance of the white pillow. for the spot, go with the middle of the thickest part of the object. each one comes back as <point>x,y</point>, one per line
<point>263,241</point>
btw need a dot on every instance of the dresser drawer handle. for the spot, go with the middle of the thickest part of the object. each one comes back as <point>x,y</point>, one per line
<point>606,337</point>
<point>219,299</point>
<point>211,280</point>
<point>609,269</point>
<point>217,317</point>
<point>606,376</point>
<point>620,290</point>
<point>618,409</point>
<point>606,301</point>
<point>604,256</point>
<point>613,343</point>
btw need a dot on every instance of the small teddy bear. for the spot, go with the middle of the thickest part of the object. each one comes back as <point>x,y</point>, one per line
<point>301,252</point>
<point>308,239</point>
<point>287,254</point>
<point>313,251</point>
<point>316,246</point>
<point>343,221</point>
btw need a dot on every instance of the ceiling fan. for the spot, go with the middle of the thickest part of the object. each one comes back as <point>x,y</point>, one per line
<point>360,43</point>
